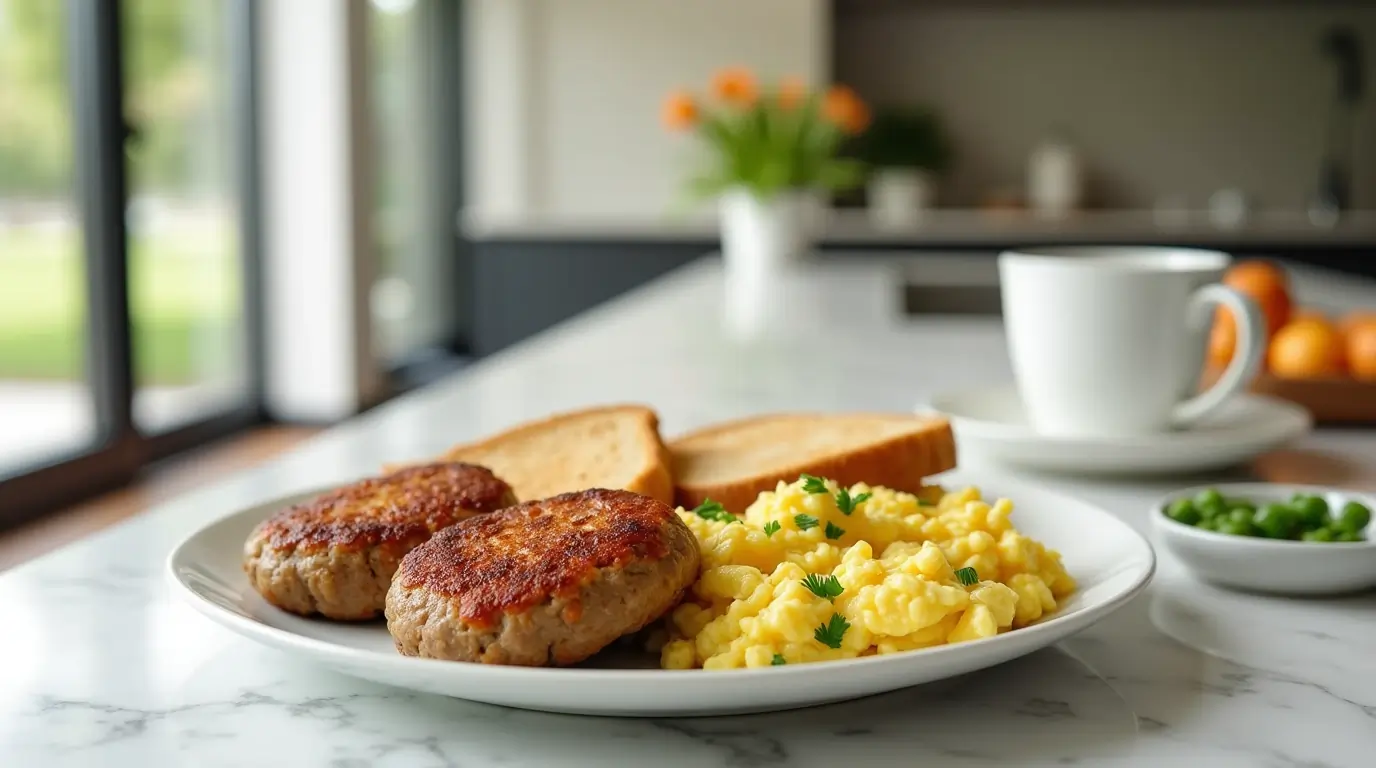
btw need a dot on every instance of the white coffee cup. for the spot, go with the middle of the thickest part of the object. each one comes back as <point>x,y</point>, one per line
<point>1110,341</point>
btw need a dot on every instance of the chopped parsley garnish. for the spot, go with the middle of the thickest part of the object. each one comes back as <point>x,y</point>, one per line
<point>814,484</point>
<point>778,660</point>
<point>834,531</point>
<point>830,633</point>
<point>844,501</point>
<point>924,503</point>
<point>967,576</point>
<point>771,528</point>
<point>806,522</point>
<point>711,510</point>
<point>846,504</point>
<point>824,586</point>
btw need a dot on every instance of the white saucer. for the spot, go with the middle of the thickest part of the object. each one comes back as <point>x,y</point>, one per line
<point>990,423</point>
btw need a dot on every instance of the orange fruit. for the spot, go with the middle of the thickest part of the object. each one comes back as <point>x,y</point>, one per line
<point>1307,349</point>
<point>1222,340</point>
<point>1361,349</point>
<point>1267,285</point>
<point>1356,317</point>
<point>1259,270</point>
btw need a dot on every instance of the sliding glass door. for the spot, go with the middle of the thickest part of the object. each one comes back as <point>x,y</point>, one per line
<point>127,239</point>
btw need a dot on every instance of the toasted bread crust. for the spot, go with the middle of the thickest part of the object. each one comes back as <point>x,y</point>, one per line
<point>396,509</point>
<point>657,481</point>
<point>653,480</point>
<point>527,554</point>
<point>900,462</point>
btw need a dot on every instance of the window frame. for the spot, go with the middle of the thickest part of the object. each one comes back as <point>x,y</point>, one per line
<point>442,29</point>
<point>120,451</point>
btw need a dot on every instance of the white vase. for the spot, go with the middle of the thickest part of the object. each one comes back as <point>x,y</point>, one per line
<point>900,196</point>
<point>1055,183</point>
<point>761,240</point>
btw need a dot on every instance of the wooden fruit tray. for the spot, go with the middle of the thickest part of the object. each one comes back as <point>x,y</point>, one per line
<point>1329,401</point>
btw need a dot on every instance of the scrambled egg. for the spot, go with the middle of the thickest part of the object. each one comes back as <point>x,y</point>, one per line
<point>895,558</point>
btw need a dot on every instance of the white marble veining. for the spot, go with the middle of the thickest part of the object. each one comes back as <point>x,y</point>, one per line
<point>102,667</point>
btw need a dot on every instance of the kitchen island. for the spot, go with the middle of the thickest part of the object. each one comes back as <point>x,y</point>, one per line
<point>104,666</point>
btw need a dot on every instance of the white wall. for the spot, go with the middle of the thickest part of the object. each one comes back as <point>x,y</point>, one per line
<point>563,97</point>
<point>1166,99</point>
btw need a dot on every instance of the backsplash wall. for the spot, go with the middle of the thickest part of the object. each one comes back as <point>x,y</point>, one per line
<point>1175,101</point>
<point>563,98</point>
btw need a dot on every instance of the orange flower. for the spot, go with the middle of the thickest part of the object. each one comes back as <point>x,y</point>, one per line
<point>735,85</point>
<point>842,107</point>
<point>680,111</point>
<point>792,92</point>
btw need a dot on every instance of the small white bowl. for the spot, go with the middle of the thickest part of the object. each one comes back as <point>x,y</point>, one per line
<point>1271,565</point>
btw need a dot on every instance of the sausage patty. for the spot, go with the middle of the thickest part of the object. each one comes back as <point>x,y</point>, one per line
<point>335,555</point>
<point>544,582</point>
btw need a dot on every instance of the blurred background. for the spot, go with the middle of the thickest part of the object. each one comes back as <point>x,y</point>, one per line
<point>220,214</point>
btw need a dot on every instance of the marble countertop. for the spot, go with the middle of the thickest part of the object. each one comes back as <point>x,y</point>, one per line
<point>103,666</point>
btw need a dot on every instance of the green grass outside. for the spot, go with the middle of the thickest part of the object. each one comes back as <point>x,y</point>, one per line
<point>184,291</point>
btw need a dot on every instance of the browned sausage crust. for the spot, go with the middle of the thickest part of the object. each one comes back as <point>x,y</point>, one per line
<point>335,555</point>
<point>544,582</point>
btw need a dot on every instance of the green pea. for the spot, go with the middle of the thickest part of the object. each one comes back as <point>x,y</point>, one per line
<point>1239,516</point>
<point>1183,511</point>
<point>1286,511</point>
<point>1209,497</point>
<point>1207,524</point>
<point>1346,536</point>
<point>1354,517</point>
<point>1322,534</point>
<point>1276,521</point>
<point>1212,509</point>
<point>1237,528</point>
<point>1312,512</point>
<point>1249,507</point>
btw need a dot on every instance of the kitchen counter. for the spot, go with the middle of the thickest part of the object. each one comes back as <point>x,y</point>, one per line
<point>951,227</point>
<point>103,666</point>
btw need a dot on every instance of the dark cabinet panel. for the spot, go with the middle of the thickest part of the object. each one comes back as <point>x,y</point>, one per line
<point>522,288</point>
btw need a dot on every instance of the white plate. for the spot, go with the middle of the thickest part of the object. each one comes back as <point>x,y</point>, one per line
<point>1269,565</point>
<point>1110,560</point>
<point>990,423</point>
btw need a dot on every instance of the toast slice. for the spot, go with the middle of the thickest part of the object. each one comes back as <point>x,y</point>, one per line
<point>614,447</point>
<point>732,463</point>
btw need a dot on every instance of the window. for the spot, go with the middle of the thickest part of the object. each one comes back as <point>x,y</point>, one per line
<point>127,239</point>
<point>185,259</point>
<point>44,393</point>
<point>413,90</point>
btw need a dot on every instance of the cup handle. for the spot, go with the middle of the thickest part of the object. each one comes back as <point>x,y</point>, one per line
<point>1251,343</point>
